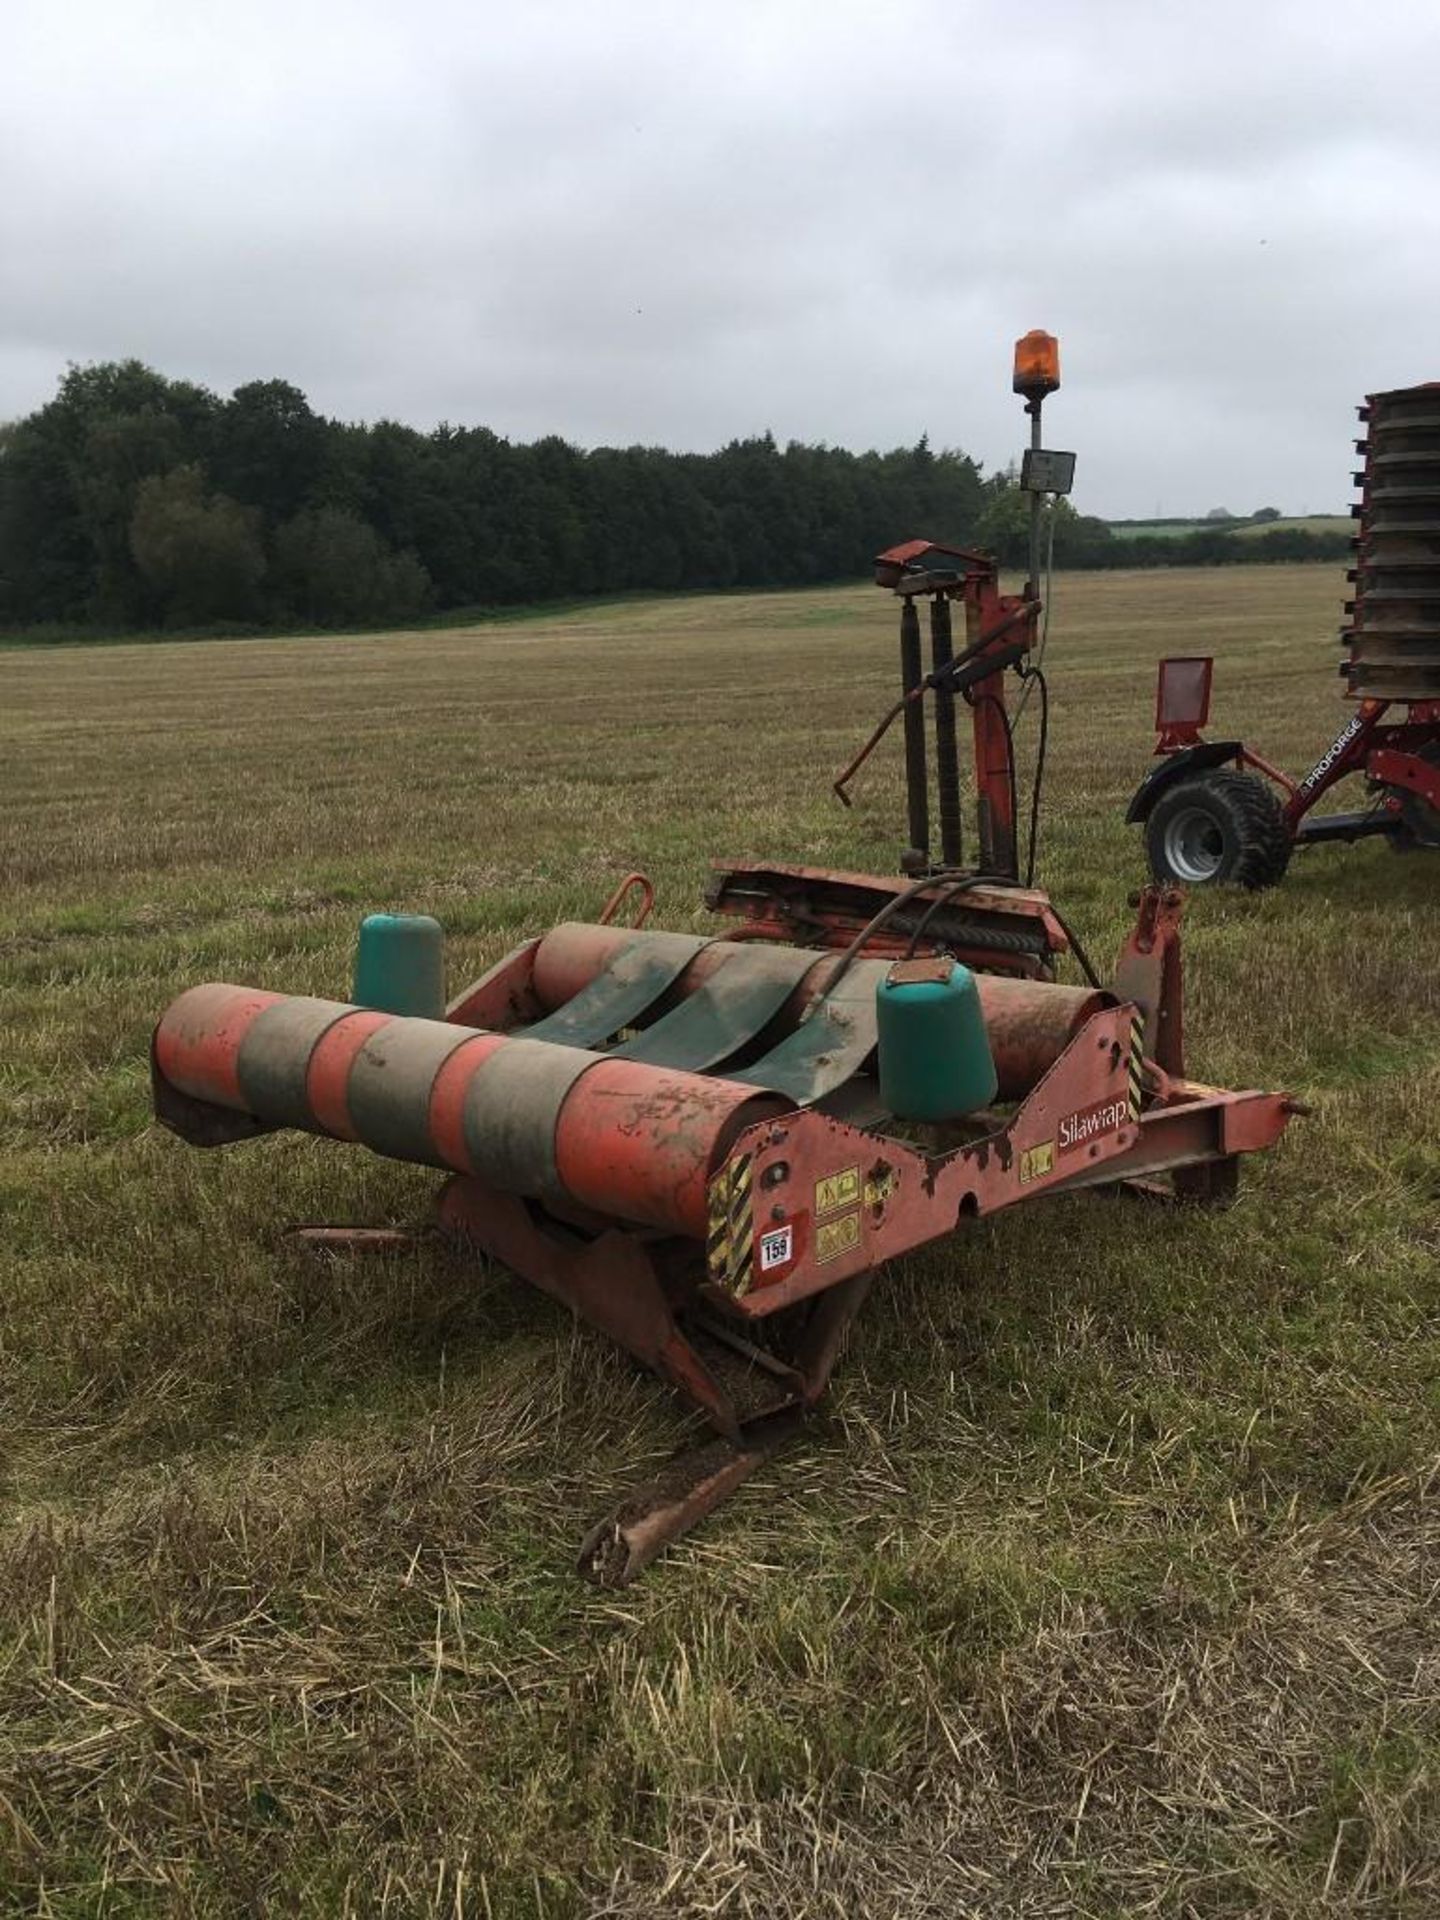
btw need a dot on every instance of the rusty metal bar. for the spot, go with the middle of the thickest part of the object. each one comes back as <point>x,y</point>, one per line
<point>647,1521</point>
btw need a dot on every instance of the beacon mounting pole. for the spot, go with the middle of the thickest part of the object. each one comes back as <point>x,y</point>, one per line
<point>1037,373</point>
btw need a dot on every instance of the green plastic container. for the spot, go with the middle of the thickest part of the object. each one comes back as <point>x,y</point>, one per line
<point>400,965</point>
<point>935,1058</point>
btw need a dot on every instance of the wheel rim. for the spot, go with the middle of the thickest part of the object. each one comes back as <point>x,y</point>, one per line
<point>1194,846</point>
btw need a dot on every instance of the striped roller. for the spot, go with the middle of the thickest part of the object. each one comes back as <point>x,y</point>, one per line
<point>556,1123</point>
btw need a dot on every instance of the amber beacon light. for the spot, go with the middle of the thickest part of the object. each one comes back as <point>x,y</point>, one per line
<point>1037,364</point>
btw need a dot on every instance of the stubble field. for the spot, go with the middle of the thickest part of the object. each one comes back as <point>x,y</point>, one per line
<point>1108,1584</point>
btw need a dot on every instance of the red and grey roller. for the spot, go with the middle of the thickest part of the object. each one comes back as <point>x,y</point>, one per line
<point>633,1141</point>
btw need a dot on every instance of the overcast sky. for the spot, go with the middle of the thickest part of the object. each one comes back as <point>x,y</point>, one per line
<point>680,223</point>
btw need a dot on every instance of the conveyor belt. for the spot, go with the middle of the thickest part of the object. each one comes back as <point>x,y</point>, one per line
<point>725,1015</point>
<point>830,1047</point>
<point>617,998</point>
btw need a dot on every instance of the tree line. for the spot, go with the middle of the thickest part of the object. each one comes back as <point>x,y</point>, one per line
<point>134,501</point>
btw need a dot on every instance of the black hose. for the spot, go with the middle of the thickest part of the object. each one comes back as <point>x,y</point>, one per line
<point>958,883</point>
<point>1082,958</point>
<point>950,884</point>
<point>946,894</point>
<point>1029,674</point>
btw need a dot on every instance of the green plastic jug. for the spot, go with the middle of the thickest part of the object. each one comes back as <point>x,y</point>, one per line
<point>935,1058</point>
<point>400,965</point>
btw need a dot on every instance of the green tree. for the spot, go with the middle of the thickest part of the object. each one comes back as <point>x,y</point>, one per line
<point>270,448</point>
<point>366,523</point>
<point>68,483</point>
<point>1003,528</point>
<point>199,555</point>
<point>330,567</point>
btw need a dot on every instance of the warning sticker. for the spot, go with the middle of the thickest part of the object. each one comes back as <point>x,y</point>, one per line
<point>1036,1162</point>
<point>776,1247</point>
<point>834,1237</point>
<point>837,1190</point>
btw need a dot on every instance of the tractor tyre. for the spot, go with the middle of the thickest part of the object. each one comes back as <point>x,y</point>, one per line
<point>1419,822</point>
<point>1220,828</point>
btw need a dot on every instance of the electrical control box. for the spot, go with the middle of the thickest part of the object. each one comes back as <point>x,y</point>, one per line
<point>1043,471</point>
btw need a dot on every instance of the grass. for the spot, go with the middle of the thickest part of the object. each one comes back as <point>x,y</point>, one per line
<point>56,633</point>
<point>1247,529</point>
<point>1300,523</point>
<point>1106,1586</point>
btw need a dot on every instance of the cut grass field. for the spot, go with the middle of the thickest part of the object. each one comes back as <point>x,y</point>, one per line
<point>1107,1584</point>
<point>1247,529</point>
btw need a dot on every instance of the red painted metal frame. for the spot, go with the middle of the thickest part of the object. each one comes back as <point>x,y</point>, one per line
<point>995,623</point>
<point>992,617</point>
<point>1149,974</point>
<point>638,883</point>
<point>828,907</point>
<point>1389,755</point>
<point>1397,768</point>
<point>803,1207</point>
<point>1081,1126</point>
<point>814,1202</point>
<point>755,1206</point>
<point>1345,755</point>
<point>1276,775</point>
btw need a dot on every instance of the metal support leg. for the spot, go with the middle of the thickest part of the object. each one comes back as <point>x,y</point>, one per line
<point>917,783</point>
<point>947,753</point>
<point>693,1484</point>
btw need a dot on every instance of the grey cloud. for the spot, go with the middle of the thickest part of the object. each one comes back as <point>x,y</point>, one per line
<point>679,224</point>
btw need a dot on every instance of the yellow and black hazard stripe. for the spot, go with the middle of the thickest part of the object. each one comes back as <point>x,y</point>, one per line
<point>1136,1063</point>
<point>730,1246</point>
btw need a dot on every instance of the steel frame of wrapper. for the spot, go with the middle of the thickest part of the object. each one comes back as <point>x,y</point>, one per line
<point>680,1137</point>
<point>999,630</point>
